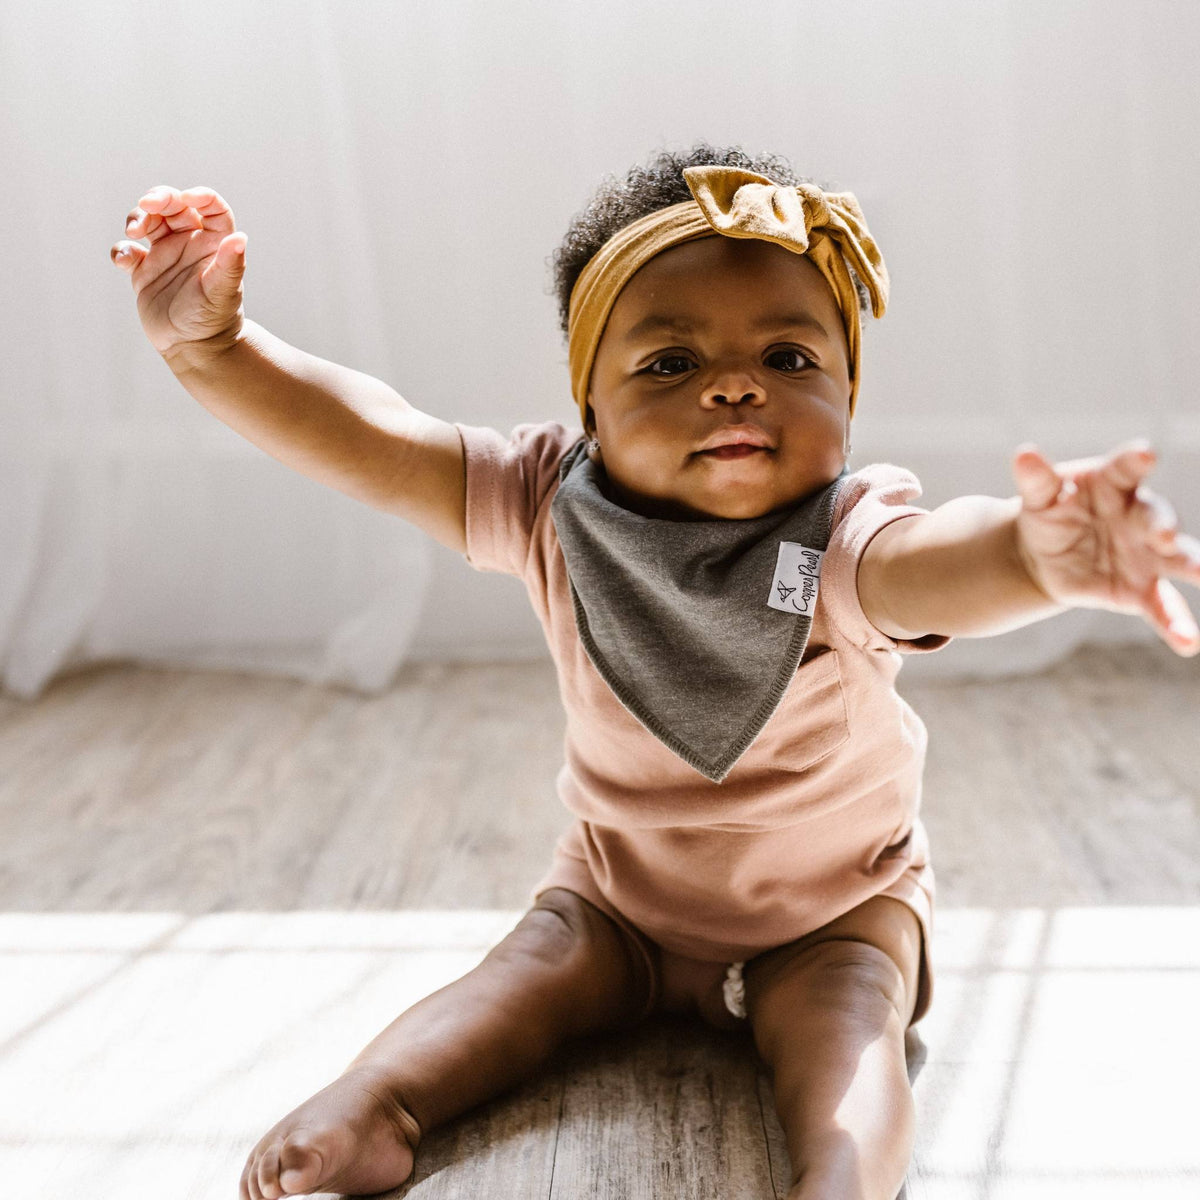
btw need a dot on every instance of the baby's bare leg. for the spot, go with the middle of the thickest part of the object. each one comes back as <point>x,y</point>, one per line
<point>565,970</point>
<point>829,1018</point>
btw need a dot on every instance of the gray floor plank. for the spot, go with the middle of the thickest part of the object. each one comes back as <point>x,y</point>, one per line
<point>670,1109</point>
<point>513,1139</point>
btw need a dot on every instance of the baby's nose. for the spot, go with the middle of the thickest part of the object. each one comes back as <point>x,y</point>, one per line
<point>730,391</point>
<point>733,385</point>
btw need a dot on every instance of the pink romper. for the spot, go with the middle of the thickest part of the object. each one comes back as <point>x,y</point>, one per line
<point>818,815</point>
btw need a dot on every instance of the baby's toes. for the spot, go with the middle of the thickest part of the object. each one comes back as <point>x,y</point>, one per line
<point>285,1168</point>
<point>267,1175</point>
<point>298,1167</point>
<point>248,1184</point>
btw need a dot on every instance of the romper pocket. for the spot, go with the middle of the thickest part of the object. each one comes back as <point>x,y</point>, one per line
<point>811,720</point>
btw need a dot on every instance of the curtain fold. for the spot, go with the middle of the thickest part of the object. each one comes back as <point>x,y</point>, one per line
<point>404,171</point>
<point>133,524</point>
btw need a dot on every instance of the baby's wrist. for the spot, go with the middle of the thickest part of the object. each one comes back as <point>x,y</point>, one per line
<point>198,357</point>
<point>1026,563</point>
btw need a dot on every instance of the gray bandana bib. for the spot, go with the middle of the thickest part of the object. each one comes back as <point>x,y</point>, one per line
<point>696,626</point>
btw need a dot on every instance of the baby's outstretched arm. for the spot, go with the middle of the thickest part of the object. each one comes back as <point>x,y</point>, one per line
<point>1085,533</point>
<point>339,426</point>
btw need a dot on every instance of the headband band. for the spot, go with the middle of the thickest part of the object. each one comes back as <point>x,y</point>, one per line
<point>827,226</point>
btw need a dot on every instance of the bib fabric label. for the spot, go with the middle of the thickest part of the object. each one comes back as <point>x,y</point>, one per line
<point>797,573</point>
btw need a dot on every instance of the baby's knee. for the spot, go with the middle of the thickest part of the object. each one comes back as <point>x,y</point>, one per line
<point>553,931</point>
<point>562,925</point>
<point>856,975</point>
<point>856,980</point>
<point>567,938</point>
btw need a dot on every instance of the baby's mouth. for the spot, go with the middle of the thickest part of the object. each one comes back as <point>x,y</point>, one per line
<point>742,450</point>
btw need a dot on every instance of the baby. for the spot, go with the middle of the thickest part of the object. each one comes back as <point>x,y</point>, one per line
<point>726,604</point>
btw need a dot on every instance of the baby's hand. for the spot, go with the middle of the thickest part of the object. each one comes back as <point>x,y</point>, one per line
<point>189,280</point>
<point>1091,535</point>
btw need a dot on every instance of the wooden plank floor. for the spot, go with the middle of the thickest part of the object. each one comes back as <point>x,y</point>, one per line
<point>215,888</point>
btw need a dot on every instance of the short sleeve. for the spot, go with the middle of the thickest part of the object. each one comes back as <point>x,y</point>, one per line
<point>871,498</point>
<point>508,482</point>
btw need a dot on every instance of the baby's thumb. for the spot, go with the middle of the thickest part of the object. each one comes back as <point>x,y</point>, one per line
<point>127,255</point>
<point>1037,480</point>
<point>223,276</point>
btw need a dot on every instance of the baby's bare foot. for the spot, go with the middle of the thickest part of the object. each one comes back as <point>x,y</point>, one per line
<point>354,1136</point>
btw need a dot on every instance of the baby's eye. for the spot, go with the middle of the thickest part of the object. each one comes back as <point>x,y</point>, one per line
<point>669,358</point>
<point>802,359</point>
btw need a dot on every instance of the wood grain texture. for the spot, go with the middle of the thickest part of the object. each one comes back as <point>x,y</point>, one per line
<point>215,888</point>
<point>513,1139</point>
<point>675,1105</point>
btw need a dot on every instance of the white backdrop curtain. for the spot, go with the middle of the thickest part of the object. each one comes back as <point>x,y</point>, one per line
<point>403,170</point>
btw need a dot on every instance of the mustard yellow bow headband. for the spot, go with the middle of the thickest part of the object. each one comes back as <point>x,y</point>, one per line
<point>827,226</point>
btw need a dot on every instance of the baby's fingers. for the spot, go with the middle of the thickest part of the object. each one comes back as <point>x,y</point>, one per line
<point>1130,463</point>
<point>1156,518</point>
<point>1181,560</point>
<point>163,210</point>
<point>213,211</point>
<point>1168,612</point>
<point>1120,474</point>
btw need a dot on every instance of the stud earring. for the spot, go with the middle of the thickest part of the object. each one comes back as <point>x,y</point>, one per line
<point>593,445</point>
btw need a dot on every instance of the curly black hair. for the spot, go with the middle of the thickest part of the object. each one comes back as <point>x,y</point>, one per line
<point>645,189</point>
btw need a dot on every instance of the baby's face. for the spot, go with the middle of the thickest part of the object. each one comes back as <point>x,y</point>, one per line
<point>710,334</point>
